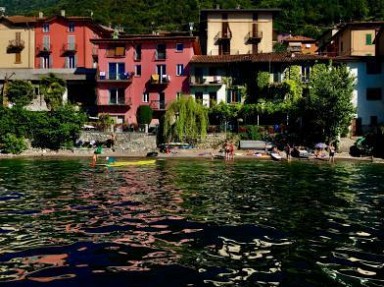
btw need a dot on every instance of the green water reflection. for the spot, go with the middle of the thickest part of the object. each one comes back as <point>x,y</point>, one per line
<point>242,223</point>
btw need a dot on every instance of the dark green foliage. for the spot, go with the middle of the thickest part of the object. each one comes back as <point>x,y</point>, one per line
<point>57,129</point>
<point>308,18</point>
<point>144,115</point>
<point>53,130</point>
<point>13,144</point>
<point>20,93</point>
<point>52,89</point>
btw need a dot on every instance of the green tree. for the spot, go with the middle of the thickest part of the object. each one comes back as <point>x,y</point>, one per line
<point>52,88</point>
<point>20,93</point>
<point>186,121</point>
<point>328,109</point>
<point>144,115</point>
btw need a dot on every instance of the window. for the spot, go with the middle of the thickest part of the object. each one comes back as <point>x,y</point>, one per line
<point>374,121</point>
<point>368,39</point>
<point>137,53</point>
<point>71,27</point>
<point>45,27</point>
<point>146,97</point>
<point>161,52</point>
<point>199,97</point>
<point>18,58</point>
<point>179,47</point>
<point>115,52</point>
<point>179,95</point>
<point>117,96</point>
<point>179,69</point>
<point>70,62</point>
<point>212,98</point>
<point>45,62</point>
<point>373,94</point>
<point>341,47</point>
<point>373,67</point>
<point>116,71</point>
<point>71,43</point>
<point>138,70</point>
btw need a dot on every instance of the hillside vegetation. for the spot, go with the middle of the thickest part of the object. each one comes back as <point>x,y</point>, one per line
<point>308,17</point>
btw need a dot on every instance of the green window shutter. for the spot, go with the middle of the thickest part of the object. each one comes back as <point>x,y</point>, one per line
<point>368,39</point>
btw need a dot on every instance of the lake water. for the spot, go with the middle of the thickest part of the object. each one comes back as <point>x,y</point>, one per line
<point>186,222</point>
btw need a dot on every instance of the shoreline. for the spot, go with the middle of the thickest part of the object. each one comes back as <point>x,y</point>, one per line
<point>176,153</point>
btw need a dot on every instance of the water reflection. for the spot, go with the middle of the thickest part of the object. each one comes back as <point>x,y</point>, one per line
<point>191,223</point>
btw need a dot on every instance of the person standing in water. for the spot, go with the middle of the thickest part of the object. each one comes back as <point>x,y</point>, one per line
<point>95,156</point>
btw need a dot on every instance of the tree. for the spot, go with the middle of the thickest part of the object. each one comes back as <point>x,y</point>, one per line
<point>144,115</point>
<point>52,88</point>
<point>328,110</point>
<point>20,93</point>
<point>186,121</point>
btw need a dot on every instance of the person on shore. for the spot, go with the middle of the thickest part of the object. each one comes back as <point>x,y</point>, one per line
<point>332,151</point>
<point>226,149</point>
<point>231,151</point>
<point>95,156</point>
<point>288,151</point>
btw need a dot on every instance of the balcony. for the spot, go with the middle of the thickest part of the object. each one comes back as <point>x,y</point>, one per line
<point>206,81</point>
<point>121,102</point>
<point>216,52</point>
<point>106,77</point>
<point>69,48</point>
<point>44,48</point>
<point>15,46</point>
<point>253,37</point>
<point>224,35</point>
<point>157,79</point>
<point>157,105</point>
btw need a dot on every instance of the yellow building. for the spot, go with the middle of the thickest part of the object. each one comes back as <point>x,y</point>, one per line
<point>353,39</point>
<point>236,31</point>
<point>17,42</point>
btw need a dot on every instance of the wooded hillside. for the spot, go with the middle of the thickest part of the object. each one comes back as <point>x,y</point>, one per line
<point>309,17</point>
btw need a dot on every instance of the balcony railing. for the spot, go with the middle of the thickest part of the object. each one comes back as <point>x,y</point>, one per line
<point>157,105</point>
<point>223,35</point>
<point>44,48</point>
<point>114,77</point>
<point>15,46</point>
<point>157,79</point>
<point>206,80</point>
<point>121,101</point>
<point>253,37</point>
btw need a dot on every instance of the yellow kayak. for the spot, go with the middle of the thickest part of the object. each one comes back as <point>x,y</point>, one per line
<point>128,163</point>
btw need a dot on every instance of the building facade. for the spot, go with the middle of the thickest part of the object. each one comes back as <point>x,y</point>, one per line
<point>236,31</point>
<point>142,70</point>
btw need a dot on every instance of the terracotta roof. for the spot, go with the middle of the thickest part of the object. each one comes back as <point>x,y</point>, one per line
<point>18,19</point>
<point>262,57</point>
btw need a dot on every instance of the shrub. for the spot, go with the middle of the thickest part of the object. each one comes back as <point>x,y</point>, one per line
<point>13,144</point>
<point>144,115</point>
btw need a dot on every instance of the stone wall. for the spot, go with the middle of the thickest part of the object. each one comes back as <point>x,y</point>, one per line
<point>141,142</point>
<point>129,141</point>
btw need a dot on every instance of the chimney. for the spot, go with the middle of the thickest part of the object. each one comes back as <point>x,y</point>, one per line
<point>62,13</point>
<point>41,15</point>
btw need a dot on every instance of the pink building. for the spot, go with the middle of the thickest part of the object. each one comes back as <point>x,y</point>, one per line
<point>64,42</point>
<point>137,70</point>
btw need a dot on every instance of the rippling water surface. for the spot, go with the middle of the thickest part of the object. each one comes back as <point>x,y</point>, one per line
<point>191,223</point>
